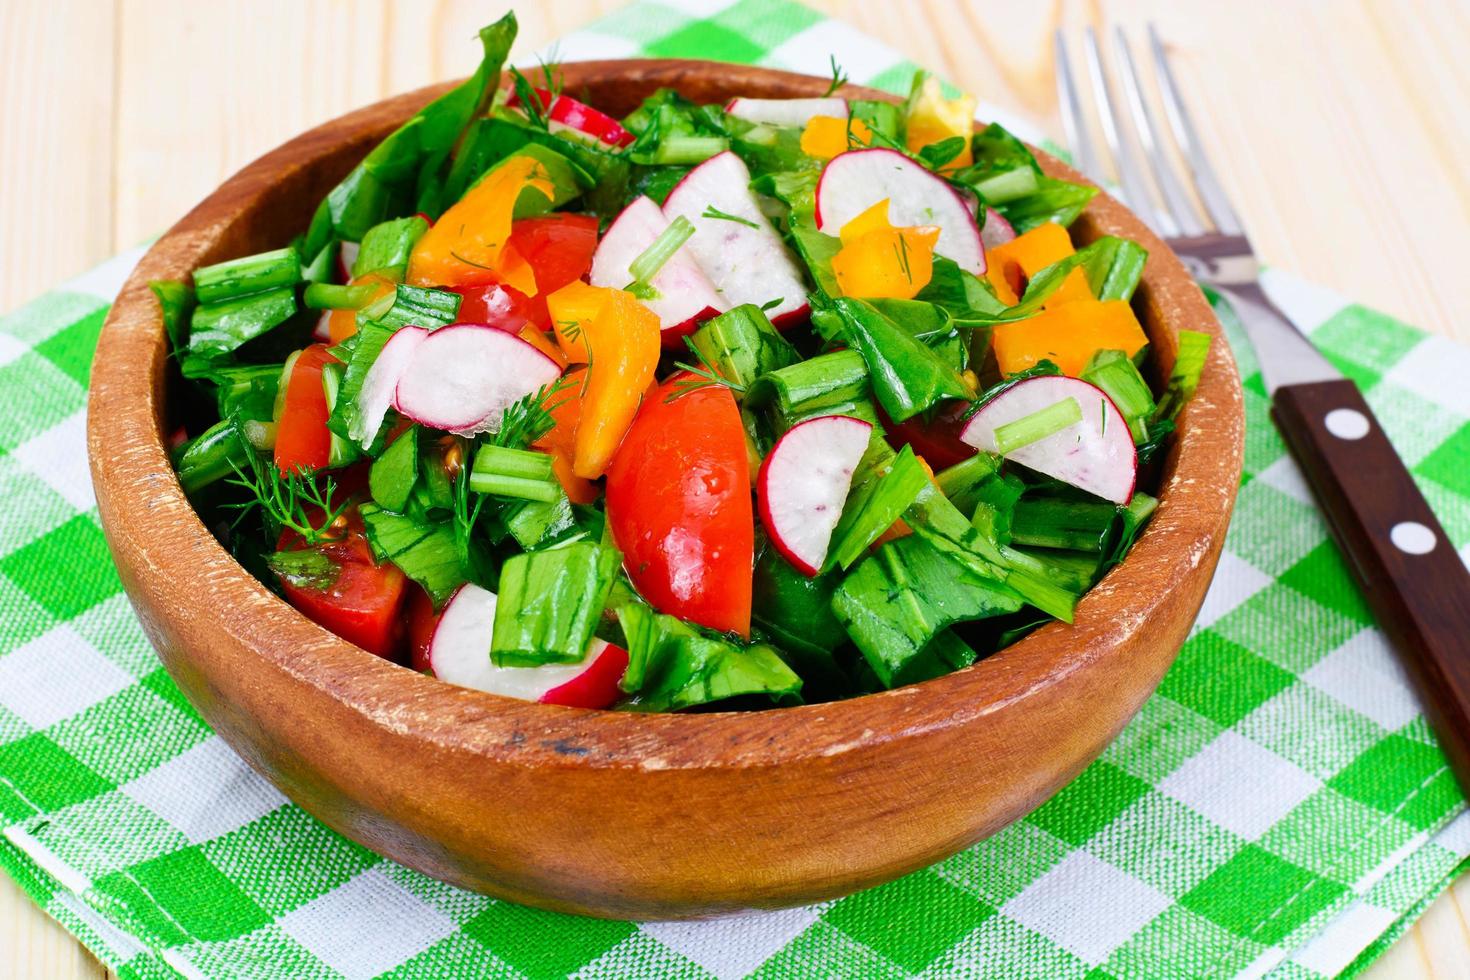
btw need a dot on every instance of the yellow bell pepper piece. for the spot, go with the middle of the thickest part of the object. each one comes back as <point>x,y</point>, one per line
<point>932,118</point>
<point>1010,266</point>
<point>617,337</point>
<point>468,244</point>
<point>826,136</point>
<point>1068,336</point>
<point>878,260</point>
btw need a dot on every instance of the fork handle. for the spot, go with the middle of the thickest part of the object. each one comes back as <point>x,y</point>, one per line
<point>1416,584</point>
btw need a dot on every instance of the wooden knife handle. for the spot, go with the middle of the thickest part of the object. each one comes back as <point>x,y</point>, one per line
<point>1416,584</point>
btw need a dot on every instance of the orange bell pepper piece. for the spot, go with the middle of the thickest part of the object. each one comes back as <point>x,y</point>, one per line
<point>878,260</point>
<point>537,338</point>
<point>617,337</point>
<point>561,442</point>
<point>571,309</point>
<point>826,136</point>
<point>1011,265</point>
<point>342,324</point>
<point>1068,336</point>
<point>468,245</point>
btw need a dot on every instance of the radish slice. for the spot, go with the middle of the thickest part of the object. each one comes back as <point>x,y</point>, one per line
<point>376,395</point>
<point>803,484</point>
<point>854,181</point>
<point>745,259</point>
<point>463,377</point>
<point>686,296</point>
<point>459,654</point>
<point>323,330</point>
<point>569,115</point>
<point>785,112</point>
<point>1095,454</point>
<point>997,230</point>
<point>346,259</point>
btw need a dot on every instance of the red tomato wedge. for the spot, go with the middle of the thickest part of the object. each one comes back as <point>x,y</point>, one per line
<point>421,619</point>
<point>678,502</point>
<point>302,438</point>
<point>558,248</point>
<point>363,603</point>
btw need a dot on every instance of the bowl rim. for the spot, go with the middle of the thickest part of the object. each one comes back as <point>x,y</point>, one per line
<point>137,488</point>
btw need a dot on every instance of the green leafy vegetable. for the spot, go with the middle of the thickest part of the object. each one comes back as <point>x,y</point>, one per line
<point>1053,522</point>
<point>672,666</point>
<point>894,603</point>
<point>426,553</point>
<point>393,474</point>
<point>211,456</point>
<point>907,376</point>
<point>219,329</point>
<point>550,602</point>
<point>387,246</point>
<point>741,345</point>
<point>1189,364</point>
<point>877,499</point>
<point>1114,372</point>
<point>306,568</point>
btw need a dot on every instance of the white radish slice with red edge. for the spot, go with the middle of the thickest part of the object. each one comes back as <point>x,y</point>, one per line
<point>786,112</point>
<point>568,115</point>
<point>744,257</point>
<point>346,259</point>
<point>323,330</point>
<point>856,180</point>
<point>804,482</point>
<point>459,654</point>
<point>997,230</point>
<point>1095,454</point>
<point>378,387</point>
<point>685,294</point>
<point>463,377</point>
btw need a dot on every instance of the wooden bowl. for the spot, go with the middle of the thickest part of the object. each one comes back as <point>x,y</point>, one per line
<point>615,814</point>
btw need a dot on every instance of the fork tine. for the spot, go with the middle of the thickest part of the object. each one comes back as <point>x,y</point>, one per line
<point>1074,124</point>
<point>1210,192</point>
<point>1130,175</point>
<point>1176,200</point>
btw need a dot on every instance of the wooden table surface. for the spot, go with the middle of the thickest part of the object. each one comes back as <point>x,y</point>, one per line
<point>1339,130</point>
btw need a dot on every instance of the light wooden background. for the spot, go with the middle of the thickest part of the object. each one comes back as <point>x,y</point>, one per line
<point>1340,130</point>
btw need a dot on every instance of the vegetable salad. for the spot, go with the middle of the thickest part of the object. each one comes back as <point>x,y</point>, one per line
<point>738,405</point>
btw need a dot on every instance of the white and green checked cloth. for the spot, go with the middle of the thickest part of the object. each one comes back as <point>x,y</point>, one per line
<point>1278,808</point>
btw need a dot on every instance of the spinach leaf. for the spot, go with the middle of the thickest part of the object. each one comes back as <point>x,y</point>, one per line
<point>550,602</point>
<point>671,665</point>
<point>907,376</point>
<point>426,553</point>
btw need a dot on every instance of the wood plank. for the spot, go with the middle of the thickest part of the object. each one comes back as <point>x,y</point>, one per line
<point>33,945</point>
<point>56,142</point>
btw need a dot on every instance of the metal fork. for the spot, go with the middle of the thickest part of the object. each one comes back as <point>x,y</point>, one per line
<point>1417,585</point>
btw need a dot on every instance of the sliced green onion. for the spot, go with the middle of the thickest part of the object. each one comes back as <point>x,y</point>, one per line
<point>550,601</point>
<point>741,345</point>
<point>874,503</point>
<point>393,475</point>
<point>1184,379</point>
<point>662,248</point>
<point>520,473</point>
<point>330,296</point>
<point>340,451</point>
<point>387,246</point>
<point>1037,426</point>
<point>813,386</point>
<point>1114,372</point>
<point>1031,577</point>
<point>689,149</point>
<point>244,276</point>
<point>959,481</point>
<point>1007,185</point>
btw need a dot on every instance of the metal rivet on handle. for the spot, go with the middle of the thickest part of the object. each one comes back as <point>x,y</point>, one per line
<point>1412,538</point>
<point>1347,423</point>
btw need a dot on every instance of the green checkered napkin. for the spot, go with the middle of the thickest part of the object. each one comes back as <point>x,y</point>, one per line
<point>1278,808</point>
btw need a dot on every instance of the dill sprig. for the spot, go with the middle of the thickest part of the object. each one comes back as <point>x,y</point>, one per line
<point>705,372</point>
<point>529,419</point>
<point>902,248</point>
<point>839,77</point>
<point>710,211</point>
<point>285,500</point>
<point>538,115</point>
